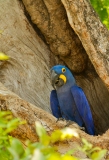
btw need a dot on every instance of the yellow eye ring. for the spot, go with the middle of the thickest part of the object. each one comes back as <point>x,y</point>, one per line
<point>63,70</point>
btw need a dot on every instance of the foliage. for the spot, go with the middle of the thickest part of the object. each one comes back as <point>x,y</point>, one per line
<point>12,149</point>
<point>94,153</point>
<point>7,125</point>
<point>102,8</point>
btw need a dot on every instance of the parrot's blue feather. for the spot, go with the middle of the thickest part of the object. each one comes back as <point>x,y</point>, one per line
<point>83,108</point>
<point>69,101</point>
<point>55,104</point>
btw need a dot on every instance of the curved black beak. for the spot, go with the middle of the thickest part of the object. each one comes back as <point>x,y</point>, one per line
<point>54,78</point>
<point>56,81</point>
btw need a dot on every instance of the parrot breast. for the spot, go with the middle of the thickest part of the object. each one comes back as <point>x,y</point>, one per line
<point>67,106</point>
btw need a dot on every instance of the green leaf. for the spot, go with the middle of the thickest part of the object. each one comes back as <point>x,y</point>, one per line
<point>16,149</point>
<point>68,157</point>
<point>12,124</point>
<point>98,155</point>
<point>54,156</point>
<point>45,139</point>
<point>4,155</point>
<point>56,136</point>
<point>40,129</point>
<point>87,145</point>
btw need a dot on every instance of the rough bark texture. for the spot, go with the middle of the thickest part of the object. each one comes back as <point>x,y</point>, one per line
<point>27,71</point>
<point>92,33</point>
<point>50,17</point>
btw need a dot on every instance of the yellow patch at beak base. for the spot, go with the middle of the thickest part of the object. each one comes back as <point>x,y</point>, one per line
<point>63,78</point>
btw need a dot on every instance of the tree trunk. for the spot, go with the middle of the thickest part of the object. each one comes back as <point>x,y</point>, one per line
<point>92,33</point>
<point>37,35</point>
<point>27,71</point>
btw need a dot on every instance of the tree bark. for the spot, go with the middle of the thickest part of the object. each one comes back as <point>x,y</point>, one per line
<point>50,17</point>
<point>27,71</point>
<point>92,33</point>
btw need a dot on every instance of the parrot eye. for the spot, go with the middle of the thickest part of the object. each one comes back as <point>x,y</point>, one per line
<point>63,70</point>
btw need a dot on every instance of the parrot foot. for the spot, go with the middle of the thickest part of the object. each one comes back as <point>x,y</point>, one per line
<point>69,122</point>
<point>60,119</point>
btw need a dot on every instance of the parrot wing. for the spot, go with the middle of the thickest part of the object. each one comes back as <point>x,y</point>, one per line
<point>55,104</point>
<point>83,108</point>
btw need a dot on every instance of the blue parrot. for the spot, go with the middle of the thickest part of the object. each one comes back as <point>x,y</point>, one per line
<point>68,101</point>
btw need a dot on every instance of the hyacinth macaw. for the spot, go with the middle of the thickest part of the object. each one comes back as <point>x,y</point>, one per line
<point>68,101</point>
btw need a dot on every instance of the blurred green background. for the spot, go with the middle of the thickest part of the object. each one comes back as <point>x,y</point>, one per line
<point>102,8</point>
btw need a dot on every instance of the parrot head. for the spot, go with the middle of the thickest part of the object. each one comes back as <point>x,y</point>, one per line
<point>61,75</point>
